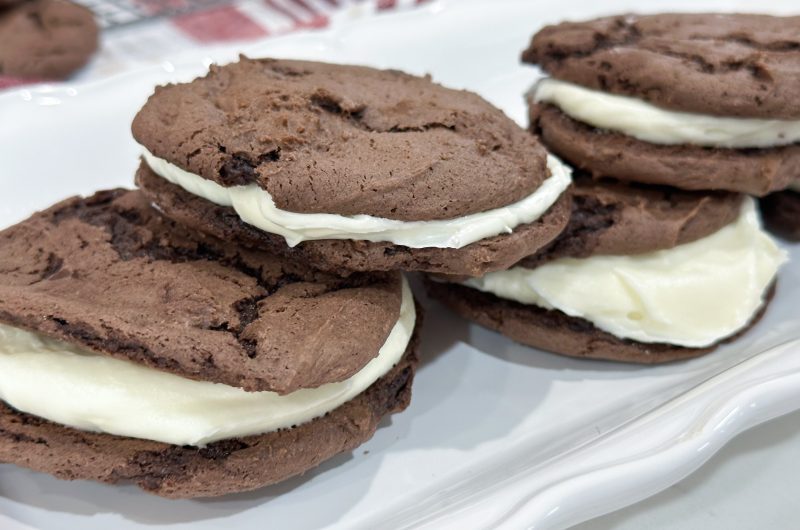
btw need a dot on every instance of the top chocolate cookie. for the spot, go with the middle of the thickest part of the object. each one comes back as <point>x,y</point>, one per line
<point>346,140</point>
<point>111,275</point>
<point>718,64</point>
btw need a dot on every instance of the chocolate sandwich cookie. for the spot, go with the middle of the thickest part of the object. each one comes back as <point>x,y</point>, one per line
<point>641,274</point>
<point>350,168</point>
<point>781,213</point>
<point>696,101</point>
<point>45,39</point>
<point>133,349</point>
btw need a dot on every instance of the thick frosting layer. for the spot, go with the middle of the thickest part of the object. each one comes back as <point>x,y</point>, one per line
<point>67,385</point>
<point>692,295</point>
<point>649,123</point>
<point>256,207</point>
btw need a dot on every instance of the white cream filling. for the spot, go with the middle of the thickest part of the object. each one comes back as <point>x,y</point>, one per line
<point>692,295</point>
<point>256,207</point>
<point>69,386</point>
<point>649,123</point>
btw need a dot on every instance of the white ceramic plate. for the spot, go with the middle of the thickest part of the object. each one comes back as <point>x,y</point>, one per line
<point>498,435</point>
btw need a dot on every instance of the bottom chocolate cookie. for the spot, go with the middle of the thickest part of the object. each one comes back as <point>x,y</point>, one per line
<point>781,213</point>
<point>690,167</point>
<point>220,468</point>
<point>343,256</point>
<point>554,331</point>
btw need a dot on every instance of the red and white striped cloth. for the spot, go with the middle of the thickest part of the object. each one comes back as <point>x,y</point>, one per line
<point>136,33</point>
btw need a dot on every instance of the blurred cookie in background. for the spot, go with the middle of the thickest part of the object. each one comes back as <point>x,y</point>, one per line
<point>45,39</point>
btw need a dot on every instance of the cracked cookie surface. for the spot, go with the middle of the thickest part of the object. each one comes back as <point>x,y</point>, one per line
<point>611,218</point>
<point>728,64</point>
<point>109,273</point>
<point>346,140</point>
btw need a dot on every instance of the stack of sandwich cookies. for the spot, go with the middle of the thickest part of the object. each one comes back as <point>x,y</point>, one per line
<point>350,169</point>
<point>641,274</point>
<point>645,107</point>
<point>695,101</point>
<point>135,349</point>
<point>255,322</point>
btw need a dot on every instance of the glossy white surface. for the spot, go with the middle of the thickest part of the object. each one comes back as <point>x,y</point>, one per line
<point>497,434</point>
<point>750,483</point>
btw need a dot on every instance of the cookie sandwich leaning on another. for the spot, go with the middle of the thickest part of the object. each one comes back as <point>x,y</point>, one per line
<point>135,350</point>
<point>641,274</point>
<point>350,168</point>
